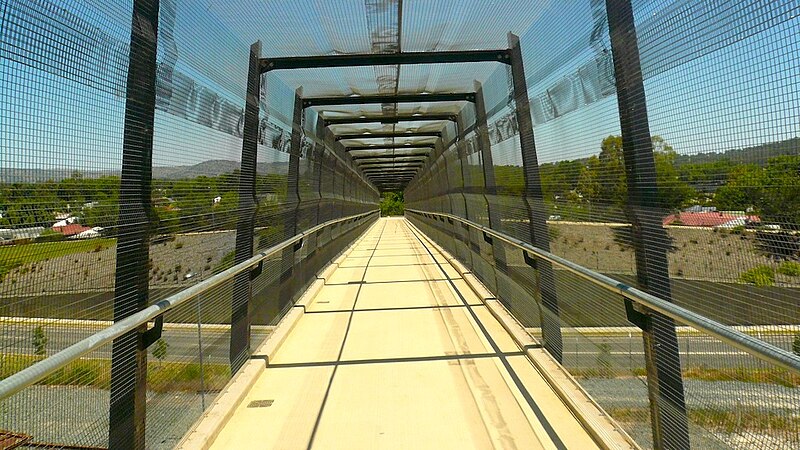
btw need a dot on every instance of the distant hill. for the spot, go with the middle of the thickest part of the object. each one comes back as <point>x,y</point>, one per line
<point>759,154</point>
<point>211,168</point>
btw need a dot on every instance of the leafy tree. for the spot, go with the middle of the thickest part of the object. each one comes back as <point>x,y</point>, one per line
<point>780,199</point>
<point>392,204</point>
<point>603,178</point>
<point>743,189</point>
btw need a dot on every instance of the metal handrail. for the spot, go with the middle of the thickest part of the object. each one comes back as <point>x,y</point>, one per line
<point>30,375</point>
<point>756,347</point>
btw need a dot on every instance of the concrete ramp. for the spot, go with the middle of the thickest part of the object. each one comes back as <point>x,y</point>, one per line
<point>395,351</point>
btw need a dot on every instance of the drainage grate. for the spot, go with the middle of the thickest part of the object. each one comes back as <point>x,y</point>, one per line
<point>260,403</point>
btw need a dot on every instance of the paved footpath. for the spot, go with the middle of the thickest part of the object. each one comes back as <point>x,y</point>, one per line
<point>396,351</point>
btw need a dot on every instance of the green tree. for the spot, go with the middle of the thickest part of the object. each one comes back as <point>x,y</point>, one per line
<point>743,189</point>
<point>392,204</point>
<point>780,195</point>
<point>603,178</point>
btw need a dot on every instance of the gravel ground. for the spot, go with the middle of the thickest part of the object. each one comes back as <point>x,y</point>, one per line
<point>79,415</point>
<point>624,393</point>
<point>93,271</point>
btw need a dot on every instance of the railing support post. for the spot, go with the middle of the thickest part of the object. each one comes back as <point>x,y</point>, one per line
<point>665,385</point>
<point>534,202</point>
<point>129,354</point>
<point>242,285</point>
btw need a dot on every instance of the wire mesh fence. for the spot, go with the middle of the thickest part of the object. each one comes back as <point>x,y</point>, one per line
<point>678,185</point>
<point>108,205</point>
<point>654,141</point>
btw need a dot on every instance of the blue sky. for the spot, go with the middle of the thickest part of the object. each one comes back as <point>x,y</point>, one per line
<point>744,93</point>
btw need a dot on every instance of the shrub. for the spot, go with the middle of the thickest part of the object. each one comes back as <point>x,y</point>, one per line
<point>759,276</point>
<point>39,341</point>
<point>604,367</point>
<point>796,344</point>
<point>790,268</point>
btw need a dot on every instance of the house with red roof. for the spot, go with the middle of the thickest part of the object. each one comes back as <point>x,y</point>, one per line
<point>710,219</point>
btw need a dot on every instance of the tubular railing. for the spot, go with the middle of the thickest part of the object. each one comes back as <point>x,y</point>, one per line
<point>38,371</point>
<point>754,346</point>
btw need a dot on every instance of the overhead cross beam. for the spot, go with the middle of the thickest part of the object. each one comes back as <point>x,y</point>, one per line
<point>383,59</point>
<point>389,135</point>
<point>400,155</point>
<point>398,165</point>
<point>389,119</point>
<point>395,171</point>
<point>389,98</point>
<point>376,163</point>
<point>386,147</point>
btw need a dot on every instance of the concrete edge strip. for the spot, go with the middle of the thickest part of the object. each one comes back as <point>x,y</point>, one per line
<point>594,419</point>
<point>202,434</point>
<point>207,427</point>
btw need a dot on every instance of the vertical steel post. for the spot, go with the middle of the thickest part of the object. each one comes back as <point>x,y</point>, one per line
<point>129,352</point>
<point>665,385</point>
<point>489,183</point>
<point>534,202</point>
<point>287,280</point>
<point>245,225</point>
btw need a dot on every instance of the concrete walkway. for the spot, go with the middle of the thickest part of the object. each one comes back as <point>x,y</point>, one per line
<point>396,351</point>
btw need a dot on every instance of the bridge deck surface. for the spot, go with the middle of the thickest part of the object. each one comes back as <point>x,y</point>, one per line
<point>396,351</point>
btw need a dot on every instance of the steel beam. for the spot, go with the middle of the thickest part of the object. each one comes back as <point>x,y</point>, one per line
<point>407,155</point>
<point>390,135</point>
<point>392,164</point>
<point>239,349</point>
<point>389,119</point>
<point>490,185</point>
<point>384,59</point>
<point>390,172</point>
<point>385,98</point>
<point>534,202</point>
<point>126,427</point>
<point>650,240</point>
<point>387,147</point>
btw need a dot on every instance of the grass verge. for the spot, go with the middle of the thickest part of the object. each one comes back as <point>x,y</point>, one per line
<point>714,419</point>
<point>13,256</point>
<point>166,376</point>
<point>743,374</point>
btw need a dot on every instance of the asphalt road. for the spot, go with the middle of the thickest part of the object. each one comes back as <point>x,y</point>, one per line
<point>183,342</point>
<point>623,351</point>
<point>628,352</point>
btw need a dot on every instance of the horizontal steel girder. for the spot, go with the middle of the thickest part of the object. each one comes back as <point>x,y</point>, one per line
<point>384,59</point>
<point>390,119</point>
<point>398,98</point>
<point>386,147</point>
<point>389,135</point>
<point>394,156</point>
<point>387,169</point>
<point>399,161</point>
<point>395,172</point>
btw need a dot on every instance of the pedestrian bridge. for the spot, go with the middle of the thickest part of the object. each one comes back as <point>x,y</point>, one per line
<point>367,224</point>
<point>396,345</point>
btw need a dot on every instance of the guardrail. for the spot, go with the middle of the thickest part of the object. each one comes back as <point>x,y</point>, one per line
<point>754,346</point>
<point>32,374</point>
